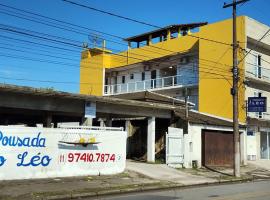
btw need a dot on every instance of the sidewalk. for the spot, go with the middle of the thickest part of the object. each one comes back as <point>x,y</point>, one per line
<point>137,177</point>
<point>165,173</point>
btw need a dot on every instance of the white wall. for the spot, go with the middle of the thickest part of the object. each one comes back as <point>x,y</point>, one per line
<point>188,73</point>
<point>256,30</point>
<point>193,143</point>
<point>28,153</point>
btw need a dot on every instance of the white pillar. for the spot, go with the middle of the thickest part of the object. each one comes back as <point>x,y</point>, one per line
<point>87,121</point>
<point>128,130</point>
<point>151,129</point>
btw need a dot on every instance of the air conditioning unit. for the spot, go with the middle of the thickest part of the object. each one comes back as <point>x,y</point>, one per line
<point>184,60</point>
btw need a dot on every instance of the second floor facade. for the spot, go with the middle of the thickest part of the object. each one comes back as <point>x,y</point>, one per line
<point>184,58</point>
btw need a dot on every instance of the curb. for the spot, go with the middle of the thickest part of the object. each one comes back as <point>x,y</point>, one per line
<point>145,188</point>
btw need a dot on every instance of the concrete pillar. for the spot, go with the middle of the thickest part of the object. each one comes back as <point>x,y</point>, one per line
<point>243,147</point>
<point>168,34</point>
<point>86,121</point>
<point>151,129</point>
<point>108,123</point>
<point>128,129</point>
<point>179,32</point>
<point>104,44</point>
<point>149,41</point>
<point>47,122</point>
<point>102,123</point>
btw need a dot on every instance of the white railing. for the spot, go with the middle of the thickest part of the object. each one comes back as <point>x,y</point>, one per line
<point>151,84</point>
<point>252,70</point>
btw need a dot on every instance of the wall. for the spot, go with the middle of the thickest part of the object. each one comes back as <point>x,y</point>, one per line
<point>92,69</point>
<point>157,50</point>
<point>28,153</point>
<point>256,30</point>
<point>193,143</point>
<point>215,63</point>
<point>93,61</point>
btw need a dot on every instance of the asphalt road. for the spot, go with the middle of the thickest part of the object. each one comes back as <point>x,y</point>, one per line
<point>244,191</point>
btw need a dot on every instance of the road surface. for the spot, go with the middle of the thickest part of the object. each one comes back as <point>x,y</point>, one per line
<point>243,191</point>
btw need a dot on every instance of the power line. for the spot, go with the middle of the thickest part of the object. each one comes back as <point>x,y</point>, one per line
<point>45,38</point>
<point>209,40</point>
<point>256,44</point>
<point>47,55</point>
<point>38,21</point>
<point>71,82</point>
<point>60,21</point>
<point>111,14</point>
<point>203,66</point>
<point>38,44</point>
<point>72,30</point>
<point>144,23</point>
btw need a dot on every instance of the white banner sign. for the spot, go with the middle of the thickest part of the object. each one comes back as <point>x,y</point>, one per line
<point>90,110</point>
<point>43,152</point>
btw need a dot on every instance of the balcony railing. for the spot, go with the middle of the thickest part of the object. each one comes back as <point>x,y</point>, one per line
<point>259,72</point>
<point>151,84</point>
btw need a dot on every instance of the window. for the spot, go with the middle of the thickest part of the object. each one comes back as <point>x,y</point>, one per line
<point>143,76</point>
<point>123,79</point>
<point>131,76</point>
<point>259,62</point>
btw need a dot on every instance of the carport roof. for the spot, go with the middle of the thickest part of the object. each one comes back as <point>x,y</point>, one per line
<point>194,116</point>
<point>67,95</point>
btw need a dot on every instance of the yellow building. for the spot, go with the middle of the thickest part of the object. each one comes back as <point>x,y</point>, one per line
<point>195,56</point>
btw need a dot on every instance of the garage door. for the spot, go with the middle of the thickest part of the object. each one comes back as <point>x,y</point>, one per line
<point>217,148</point>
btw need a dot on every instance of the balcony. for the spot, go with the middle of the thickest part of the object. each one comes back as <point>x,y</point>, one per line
<point>151,84</point>
<point>257,72</point>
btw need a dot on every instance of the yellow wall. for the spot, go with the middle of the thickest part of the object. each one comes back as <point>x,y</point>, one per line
<point>92,67</point>
<point>215,79</point>
<point>171,47</point>
<point>93,61</point>
<point>215,63</point>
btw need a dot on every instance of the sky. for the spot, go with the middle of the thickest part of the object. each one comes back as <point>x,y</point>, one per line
<point>35,52</point>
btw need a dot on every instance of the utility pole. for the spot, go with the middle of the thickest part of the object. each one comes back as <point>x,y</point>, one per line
<point>186,104</point>
<point>234,90</point>
<point>186,111</point>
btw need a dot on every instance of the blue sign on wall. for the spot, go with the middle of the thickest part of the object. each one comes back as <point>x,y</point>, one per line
<point>256,104</point>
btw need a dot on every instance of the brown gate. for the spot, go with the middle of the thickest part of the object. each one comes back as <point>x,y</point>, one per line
<point>217,148</point>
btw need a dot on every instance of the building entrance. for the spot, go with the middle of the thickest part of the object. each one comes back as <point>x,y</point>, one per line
<point>265,145</point>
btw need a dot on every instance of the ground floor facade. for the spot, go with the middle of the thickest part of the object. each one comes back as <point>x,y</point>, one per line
<point>258,143</point>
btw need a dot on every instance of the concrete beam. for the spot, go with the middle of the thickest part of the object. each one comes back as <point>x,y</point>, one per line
<point>132,110</point>
<point>31,102</point>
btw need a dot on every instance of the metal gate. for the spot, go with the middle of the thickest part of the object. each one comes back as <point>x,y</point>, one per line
<point>217,148</point>
<point>174,146</point>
